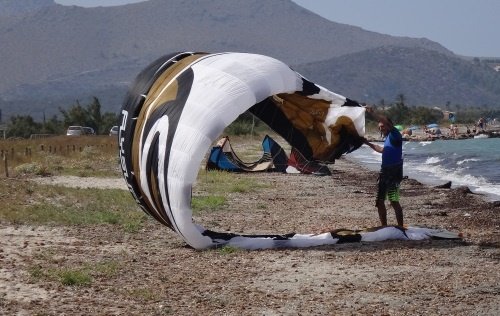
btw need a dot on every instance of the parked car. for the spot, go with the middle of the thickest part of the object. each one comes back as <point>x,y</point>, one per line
<point>113,131</point>
<point>88,130</point>
<point>75,131</point>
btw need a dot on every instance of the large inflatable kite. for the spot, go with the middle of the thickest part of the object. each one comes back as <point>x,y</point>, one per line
<point>181,103</point>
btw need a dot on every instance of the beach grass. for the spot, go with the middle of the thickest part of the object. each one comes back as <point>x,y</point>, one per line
<point>31,203</point>
<point>207,203</point>
<point>227,250</point>
<point>73,275</point>
<point>65,276</point>
<point>214,182</point>
<point>27,202</point>
<point>212,188</point>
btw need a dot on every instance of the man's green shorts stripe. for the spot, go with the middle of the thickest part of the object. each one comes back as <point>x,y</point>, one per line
<point>393,195</point>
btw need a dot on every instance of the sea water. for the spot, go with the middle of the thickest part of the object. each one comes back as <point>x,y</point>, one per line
<point>474,163</point>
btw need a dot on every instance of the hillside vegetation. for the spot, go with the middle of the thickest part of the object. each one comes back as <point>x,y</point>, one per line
<point>85,52</point>
<point>425,77</point>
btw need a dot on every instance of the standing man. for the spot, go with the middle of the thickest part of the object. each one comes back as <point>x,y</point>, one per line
<point>391,171</point>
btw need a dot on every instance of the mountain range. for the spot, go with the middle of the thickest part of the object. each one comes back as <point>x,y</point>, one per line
<point>53,55</point>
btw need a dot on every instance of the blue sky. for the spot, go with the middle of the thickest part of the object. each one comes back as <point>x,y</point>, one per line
<point>466,27</point>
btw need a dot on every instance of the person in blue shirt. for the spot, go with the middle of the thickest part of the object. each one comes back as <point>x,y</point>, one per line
<point>391,171</point>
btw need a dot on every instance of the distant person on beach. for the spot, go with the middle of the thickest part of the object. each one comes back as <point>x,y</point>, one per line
<point>481,124</point>
<point>391,171</point>
<point>453,132</point>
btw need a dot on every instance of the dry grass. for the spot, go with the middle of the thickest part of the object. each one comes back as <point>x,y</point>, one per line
<point>61,155</point>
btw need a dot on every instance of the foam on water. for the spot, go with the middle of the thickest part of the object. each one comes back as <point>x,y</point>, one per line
<point>467,160</point>
<point>425,143</point>
<point>432,160</point>
<point>474,163</point>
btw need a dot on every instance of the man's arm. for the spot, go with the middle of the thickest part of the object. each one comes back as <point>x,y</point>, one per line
<point>377,148</point>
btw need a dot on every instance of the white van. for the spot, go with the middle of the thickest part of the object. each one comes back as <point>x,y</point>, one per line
<point>113,131</point>
<point>74,131</point>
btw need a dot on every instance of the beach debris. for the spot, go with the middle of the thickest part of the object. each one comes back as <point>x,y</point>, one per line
<point>446,185</point>
<point>464,190</point>
<point>428,214</point>
<point>495,203</point>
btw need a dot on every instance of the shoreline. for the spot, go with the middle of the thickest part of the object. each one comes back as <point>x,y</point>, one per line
<point>433,166</point>
<point>488,198</point>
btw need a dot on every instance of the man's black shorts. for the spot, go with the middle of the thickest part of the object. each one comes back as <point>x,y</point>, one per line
<point>388,182</point>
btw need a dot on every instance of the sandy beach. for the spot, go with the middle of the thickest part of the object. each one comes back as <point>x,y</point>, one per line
<point>156,274</point>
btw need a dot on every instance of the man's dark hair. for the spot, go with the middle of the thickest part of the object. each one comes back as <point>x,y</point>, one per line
<point>388,120</point>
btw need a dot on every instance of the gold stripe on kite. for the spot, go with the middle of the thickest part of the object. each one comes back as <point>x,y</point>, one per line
<point>159,94</point>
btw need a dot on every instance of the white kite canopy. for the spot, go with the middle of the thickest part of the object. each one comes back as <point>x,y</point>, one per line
<point>181,103</point>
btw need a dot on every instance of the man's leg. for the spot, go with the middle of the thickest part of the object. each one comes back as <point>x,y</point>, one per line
<point>380,202</point>
<point>393,195</point>
<point>382,212</point>
<point>399,212</point>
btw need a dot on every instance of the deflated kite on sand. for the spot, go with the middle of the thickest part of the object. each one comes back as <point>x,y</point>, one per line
<point>181,103</point>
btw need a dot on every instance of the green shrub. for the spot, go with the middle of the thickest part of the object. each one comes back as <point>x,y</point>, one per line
<point>226,250</point>
<point>239,128</point>
<point>32,168</point>
<point>75,277</point>
<point>211,202</point>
